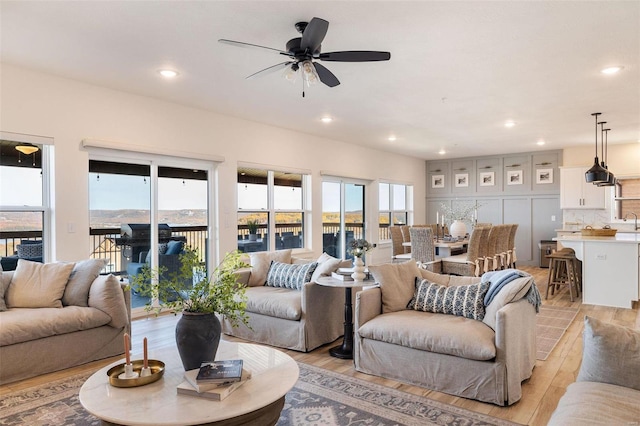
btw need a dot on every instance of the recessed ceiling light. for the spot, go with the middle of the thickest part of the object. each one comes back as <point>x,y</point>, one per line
<point>391,138</point>
<point>509,123</point>
<point>326,119</point>
<point>540,142</point>
<point>442,152</point>
<point>168,73</point>
<point>611,70</point>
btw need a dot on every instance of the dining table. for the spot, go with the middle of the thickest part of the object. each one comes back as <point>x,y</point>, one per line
<point>445,248</point>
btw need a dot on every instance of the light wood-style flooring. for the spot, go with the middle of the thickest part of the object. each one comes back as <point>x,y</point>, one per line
<point>540,393</point>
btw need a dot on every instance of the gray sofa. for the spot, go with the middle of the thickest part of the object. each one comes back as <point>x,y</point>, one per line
<point>607,390</point>
<point>484,360</point>
<point>299,319</point>
<point>52,326</point>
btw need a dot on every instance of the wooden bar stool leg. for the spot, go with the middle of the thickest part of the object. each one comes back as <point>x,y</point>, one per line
<point>567,263</point>
<point>550,278</point>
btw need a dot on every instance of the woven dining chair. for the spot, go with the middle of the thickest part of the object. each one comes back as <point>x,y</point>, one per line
<point>511,253</point>
<point>406,237</point>
<point>397,249</point>
<point>423,250</point>
<point>469,263</point>
<point>490,259</point>
<point>502,246</point>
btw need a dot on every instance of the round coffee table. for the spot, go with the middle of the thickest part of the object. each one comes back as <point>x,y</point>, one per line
<point>259,401</point>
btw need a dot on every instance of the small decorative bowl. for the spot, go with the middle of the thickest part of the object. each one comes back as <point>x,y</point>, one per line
<point>156,367</point>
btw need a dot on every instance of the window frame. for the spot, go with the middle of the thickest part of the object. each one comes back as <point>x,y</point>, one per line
<point>392,211</point>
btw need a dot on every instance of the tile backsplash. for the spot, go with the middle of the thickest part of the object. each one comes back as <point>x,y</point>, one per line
<point>577,219</point>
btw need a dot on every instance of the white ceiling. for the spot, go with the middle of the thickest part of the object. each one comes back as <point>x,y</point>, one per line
<point>458,70</point>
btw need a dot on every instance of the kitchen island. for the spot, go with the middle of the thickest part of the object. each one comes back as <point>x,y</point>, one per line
<point>610,268</point>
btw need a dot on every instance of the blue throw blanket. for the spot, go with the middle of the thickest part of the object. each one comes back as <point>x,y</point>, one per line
<point>499,279</point>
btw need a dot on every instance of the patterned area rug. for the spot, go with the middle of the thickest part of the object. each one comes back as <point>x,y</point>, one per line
<point>551,323</point>
<point>320,398</point>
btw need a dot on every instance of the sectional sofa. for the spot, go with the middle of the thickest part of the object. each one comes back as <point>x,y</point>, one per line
<point>59,315</point>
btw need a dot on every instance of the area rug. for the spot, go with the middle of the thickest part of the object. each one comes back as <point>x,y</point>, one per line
<point>551,324</point>
<point>319,398</point>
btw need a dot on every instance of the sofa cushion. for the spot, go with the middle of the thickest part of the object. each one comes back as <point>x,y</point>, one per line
<point>174,247</point>
<point>76,292</point>
<point>162,249</point>
<point>610,354</point>
<point>590,403</point>
<point>261,261</point>
<point>38,285</point>
<point>462,300</point>
<point>5,280</point>
<point>287,275</point>
<point>275,302</point>
<point>106,294</point>
<point>438,333</point>
<point>26,324</point>
<point>434,277</point>
<point>396,284</point>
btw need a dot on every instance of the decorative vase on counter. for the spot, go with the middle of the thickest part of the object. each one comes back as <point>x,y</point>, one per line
<point>458,229</point>
<point>197,338</point>
<point>358,269</point>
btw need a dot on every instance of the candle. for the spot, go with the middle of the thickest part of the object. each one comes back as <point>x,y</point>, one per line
<point>126,348</point>
<point>146,359</point>
<point>437,218</point>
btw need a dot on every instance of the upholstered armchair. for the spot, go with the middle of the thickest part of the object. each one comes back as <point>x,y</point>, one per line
<point>168,259</point>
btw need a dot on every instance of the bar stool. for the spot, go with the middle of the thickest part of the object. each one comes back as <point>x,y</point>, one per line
<point>563,270</point>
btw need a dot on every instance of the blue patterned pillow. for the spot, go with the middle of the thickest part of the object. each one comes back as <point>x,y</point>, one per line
<point>287,275</point>
<point>463,300</point>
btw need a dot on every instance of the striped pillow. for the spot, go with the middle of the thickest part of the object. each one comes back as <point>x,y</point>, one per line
<point>287,275</point>
<point>463,300</point>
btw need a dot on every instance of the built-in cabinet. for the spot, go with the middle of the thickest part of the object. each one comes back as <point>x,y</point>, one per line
<point>577,193</point>
<point>516,188</point>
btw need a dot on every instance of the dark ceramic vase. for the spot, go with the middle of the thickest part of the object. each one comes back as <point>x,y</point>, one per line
<point>197,338</point>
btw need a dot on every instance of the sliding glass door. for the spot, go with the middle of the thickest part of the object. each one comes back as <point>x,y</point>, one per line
<point>343,216</point>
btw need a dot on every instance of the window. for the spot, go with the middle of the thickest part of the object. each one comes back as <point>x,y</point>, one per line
<point>270,203</point>
<point>24,200</point>
<point>627,198</point>
<point>395,207</point>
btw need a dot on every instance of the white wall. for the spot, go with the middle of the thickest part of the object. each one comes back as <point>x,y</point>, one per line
<point>70,111</point>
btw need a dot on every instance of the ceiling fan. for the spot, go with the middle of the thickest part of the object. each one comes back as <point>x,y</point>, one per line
<point>302,51</point>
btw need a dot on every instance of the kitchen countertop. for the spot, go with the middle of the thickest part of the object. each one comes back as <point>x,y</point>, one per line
<point>624,238</point>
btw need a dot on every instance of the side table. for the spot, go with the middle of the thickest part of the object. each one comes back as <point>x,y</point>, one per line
<point>345,350</point>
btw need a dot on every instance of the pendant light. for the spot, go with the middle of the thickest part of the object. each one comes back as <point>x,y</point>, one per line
<point>605,157</point>
<point>596,173</point>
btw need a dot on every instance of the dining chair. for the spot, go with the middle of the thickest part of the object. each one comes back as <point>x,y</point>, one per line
<point>406,237</point>
<point>511,253</point>
<point>502,246</point>
<point>397,249</point>
<point>468,264</point>
<point>483,248</point>
<point>423,250</point>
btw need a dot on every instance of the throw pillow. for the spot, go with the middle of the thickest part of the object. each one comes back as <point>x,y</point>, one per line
<point>106,294</point>
<point>462,300</point>
<point>396,284</point>
<point>76,293</point>
<point>174,247</point>
<point>162,249</point>
<point>261,261</point>
<point>610,354</point>
<point>288,275</point>
<point>38,285</point>
<point>326,265</point>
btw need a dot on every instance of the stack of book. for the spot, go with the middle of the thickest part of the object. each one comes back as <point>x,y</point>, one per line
<point>214,380</point>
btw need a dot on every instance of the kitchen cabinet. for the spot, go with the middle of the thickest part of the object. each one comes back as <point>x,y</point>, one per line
<point>576,193</point>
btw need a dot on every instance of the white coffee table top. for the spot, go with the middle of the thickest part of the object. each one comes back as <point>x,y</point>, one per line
<point>274,373</point>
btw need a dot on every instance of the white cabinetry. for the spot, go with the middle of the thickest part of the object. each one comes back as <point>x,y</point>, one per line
<point>576,193</point>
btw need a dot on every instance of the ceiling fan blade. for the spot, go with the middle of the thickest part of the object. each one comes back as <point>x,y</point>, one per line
<point>313,35</point>
<point>249,45</point>
<point>355,56</point>
<point>270,70</point>
<point>326,76</point>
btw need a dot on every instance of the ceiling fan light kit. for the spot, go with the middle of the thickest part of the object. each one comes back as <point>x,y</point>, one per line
<point>302,51</point>
<point>599,174</point>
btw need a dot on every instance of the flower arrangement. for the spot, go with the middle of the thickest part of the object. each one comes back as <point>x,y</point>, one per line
<point>358,247</point>
<point>459,211</point>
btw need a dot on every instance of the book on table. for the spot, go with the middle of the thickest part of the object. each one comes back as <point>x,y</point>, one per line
<point>223,371</point>
<point>213,391</point>
<point>341,277</point>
